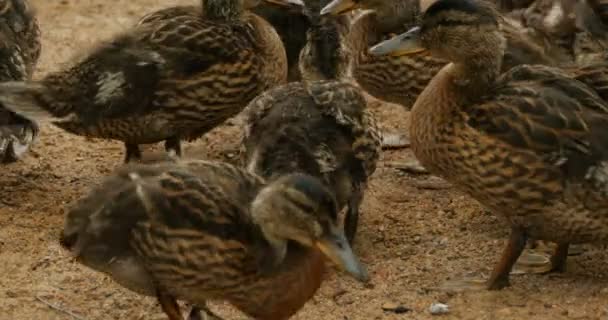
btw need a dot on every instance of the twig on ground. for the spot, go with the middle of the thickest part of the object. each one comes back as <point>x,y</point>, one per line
<point>59,309</point>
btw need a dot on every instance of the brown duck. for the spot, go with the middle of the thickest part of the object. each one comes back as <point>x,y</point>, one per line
<point>320,126</point>
<point>401,79</point>
<point>176,75</point>
<point>198,231</point>
<point>529,144</point>
<point>19,53</point>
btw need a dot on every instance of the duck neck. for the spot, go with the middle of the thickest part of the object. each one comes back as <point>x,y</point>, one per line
<point>224,10</point>
<point>324,56</point>
<point>478,72</point>
<point>454,88</point>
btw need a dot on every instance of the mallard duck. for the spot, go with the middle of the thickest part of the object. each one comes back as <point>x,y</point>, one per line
<point>320,126</point>
<point>19,53</point>
<point>197,231</point>
<point>382,77</point>
<point>528,144</point>
<point>176,75</point>
<point>401,79</point>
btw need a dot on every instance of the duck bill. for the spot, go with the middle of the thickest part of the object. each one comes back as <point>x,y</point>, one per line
<point>337,249</point>
<point>287,3</point>
<point>403,44</point>
<point>337,7</point>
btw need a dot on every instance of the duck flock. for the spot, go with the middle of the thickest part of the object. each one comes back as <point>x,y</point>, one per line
<point>508,100</point>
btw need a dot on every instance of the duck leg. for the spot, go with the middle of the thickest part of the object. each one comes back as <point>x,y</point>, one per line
<point>173,147</point>
<point>560,257</point>
<point>169,305</point>
<point>500,275</point>
<point>132,152</point>
<point>351,221</point>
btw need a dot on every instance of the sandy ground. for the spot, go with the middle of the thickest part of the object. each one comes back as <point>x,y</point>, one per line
<point>412,238</point>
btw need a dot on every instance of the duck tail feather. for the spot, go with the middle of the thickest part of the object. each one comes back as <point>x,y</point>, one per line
<point>26,99</point>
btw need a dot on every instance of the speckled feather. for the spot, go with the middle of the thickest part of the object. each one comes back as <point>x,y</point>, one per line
<point>19,52</point>
<point>186,228</point>
<point>532,149</point>
<point>175,74</point>
<point>321,128</point>
<point>400,79</point>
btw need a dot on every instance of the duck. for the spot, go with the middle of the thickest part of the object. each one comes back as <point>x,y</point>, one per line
<point>381,76</point>
<point>291,24</point>
<point>572,30</point>
<point>197,230</point>
<point>177,74</point>
<point>591,41</point>
<point>320,126</point>
<point>20,51</point>
<point>401,79</point>
<point>526,143</point>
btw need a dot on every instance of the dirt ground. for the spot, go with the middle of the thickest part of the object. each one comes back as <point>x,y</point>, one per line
<point>412,238</point>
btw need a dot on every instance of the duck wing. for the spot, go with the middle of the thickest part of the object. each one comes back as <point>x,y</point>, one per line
<point>180,62</point>
<point>548,113</point>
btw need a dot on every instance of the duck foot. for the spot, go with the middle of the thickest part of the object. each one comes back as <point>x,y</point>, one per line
<point>395,141</point>
<point>540,262</point>
<point>202,313</point>
<point>412,167</point>
<point>173,147</point>
<point>15,146</point>
<point>528,263</point>
<point>499,278</point>
<point>550,247</point>
<point>132,153</point>
<point>169,305</point>
<point>532,262</point>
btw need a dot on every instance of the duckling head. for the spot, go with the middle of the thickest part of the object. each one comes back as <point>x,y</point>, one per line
<point>461,31</point>
<point>299,208</point>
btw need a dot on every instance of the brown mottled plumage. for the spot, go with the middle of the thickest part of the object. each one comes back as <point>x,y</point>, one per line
<point>530,144</point>
<point>401,79</point>
<point>19,53</point>
<point>321,126</point>
<point>291,25</point>
<point>176,75</point>
<point>198,231</point>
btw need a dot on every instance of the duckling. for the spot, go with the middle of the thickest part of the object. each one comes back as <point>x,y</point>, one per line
<point>199,230</point>
<point>528,143</point>
<point>320,126</point>
<point>177,74</point>
<point>19,53</point>
<point>401,79</point>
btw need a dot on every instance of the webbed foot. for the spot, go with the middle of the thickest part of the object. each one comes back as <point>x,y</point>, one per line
<point>202,313</point>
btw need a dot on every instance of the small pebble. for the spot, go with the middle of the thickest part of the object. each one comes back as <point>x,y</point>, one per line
<point>439,308</point>
<point>395,308</point>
